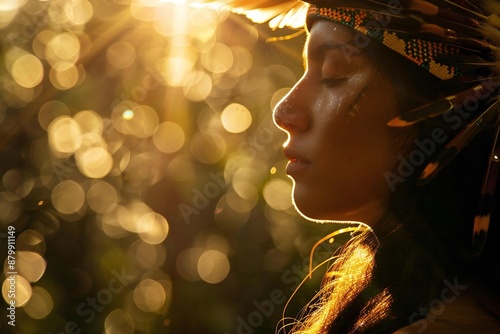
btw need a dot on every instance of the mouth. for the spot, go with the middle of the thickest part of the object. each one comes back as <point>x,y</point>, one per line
<point>296,163</point>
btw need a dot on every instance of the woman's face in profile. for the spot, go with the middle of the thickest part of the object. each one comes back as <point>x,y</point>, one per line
<point>336,116</point>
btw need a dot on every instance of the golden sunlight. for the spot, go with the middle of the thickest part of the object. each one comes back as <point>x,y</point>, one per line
<point>137,140</point>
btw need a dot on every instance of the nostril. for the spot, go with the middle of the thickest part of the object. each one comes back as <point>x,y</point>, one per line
<point>278,120</point>
<point>290,119</point>
<point>281,122</point>
<point>287,126</point>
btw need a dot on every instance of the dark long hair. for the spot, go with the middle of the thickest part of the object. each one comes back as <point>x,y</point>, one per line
<point>382,278</point>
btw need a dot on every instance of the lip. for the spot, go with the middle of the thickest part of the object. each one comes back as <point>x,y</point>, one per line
<point>297,163</point>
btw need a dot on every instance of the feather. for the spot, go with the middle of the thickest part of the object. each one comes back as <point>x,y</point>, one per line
<point>429,110</point>
<point>282,13</point>
<point>482,219</point>
<point>294,18</point>
<point>465,6</point>
<point>457,144</point>
<point>469,62</point>
<point>458,18</point>
<point>441,106</point>
<point>369,5</point>
<point>430,9</point>
<point>470,43</point>
<point>491,33</point>
<point>424,7</point>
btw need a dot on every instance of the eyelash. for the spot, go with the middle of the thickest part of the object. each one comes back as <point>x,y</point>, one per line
<point>333,82</point>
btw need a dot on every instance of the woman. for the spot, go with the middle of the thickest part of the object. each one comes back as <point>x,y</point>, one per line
<point>392,125</point>
<point>341,150</point>
<point>419,273</point>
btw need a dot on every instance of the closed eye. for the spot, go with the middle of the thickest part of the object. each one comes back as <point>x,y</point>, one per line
<point>333,82</point>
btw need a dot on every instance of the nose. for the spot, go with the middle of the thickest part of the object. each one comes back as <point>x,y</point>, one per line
<point>290,113</point>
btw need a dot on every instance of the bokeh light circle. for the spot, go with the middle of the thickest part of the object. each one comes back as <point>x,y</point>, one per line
<point>89,121</point>
<point>169,137</point>
<point>213,266</point>
<point>155,228</point>
<point>219,59</point>
<point>68,197</point>
<point>111,222</point>
<point>11,207</point>
<point>40,304</point>
<point>65,135</point>
<point>31,240</point>
<point>133,119</point>
<point>277,193</point>
<point>102,197</point>
<point>119,322</point>
<point>30,265</point>
<point>66,76</point>
<point>63,50</point>
<point>198,87</point>
<point>146,255</point>
<point>94,162</point>
<point>149,295</point>
<point>236,118</point>
<point>27,71</point>
<point>50,111</point>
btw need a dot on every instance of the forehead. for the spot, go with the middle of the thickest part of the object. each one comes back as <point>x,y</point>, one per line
<point>324,32</point>
<point>325,36</point>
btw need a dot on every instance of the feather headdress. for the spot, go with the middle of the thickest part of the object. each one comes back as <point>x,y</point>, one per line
<point>279,13</point>
<point>457,41</point>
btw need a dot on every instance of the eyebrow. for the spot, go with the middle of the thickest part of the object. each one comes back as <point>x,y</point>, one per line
<point>321,49</point>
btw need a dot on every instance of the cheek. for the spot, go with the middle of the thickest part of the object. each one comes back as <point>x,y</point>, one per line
<point>362,147</point>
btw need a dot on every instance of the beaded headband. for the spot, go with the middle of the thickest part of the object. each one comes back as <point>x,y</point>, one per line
<point>422,52</point>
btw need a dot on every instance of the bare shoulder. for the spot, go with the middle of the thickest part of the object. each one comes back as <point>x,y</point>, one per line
<point>463,315</point>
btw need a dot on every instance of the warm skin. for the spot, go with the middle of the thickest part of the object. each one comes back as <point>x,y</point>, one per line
<point>339,144</point>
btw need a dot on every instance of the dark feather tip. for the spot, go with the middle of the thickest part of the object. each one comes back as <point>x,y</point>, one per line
<point>435,166</point>
<point>429,110</point>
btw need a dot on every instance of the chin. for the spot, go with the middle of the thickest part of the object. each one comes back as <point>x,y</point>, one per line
<point>320,202</point>
<point>311,206</point>
<point>334,209</point>
<point>328,215</point>
<point>318,212</point>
